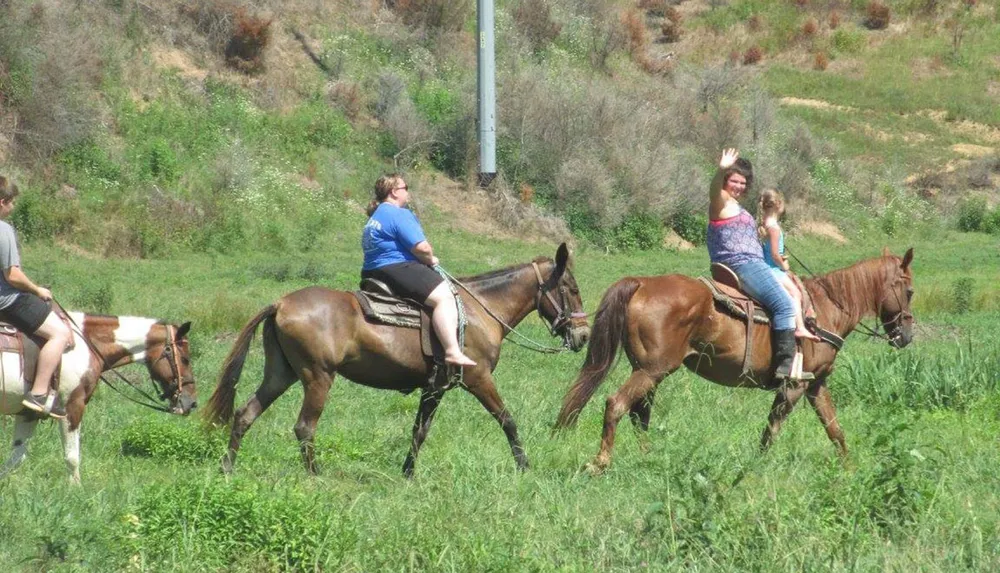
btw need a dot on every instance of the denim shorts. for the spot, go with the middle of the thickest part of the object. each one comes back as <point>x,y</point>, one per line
<point>758,281</point>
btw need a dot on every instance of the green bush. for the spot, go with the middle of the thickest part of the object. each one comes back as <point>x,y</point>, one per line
<point>961,295</point>
<point>848,41</point>
<point>227,524</point>
<point>971,214</point>
<point>638,232</point>
<point>690,226</point>
<point>166,440</point>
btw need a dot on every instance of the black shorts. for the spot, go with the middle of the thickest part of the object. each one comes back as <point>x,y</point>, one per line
<point>27,312</point>
<point>410,280</point>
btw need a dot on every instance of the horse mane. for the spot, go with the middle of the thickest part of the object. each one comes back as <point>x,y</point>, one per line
<point>854,288</point>
<point>496,277</point>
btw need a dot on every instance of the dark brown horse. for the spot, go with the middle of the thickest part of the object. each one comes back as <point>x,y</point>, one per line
<point>668,321</point>
<point>314,333</point>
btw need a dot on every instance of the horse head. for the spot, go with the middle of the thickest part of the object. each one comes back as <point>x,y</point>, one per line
<point>894,306</point>
<point>168,360</point>
<point>559,303</point>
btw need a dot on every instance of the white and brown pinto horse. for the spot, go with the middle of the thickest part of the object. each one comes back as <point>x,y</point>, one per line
<point>101,343</point>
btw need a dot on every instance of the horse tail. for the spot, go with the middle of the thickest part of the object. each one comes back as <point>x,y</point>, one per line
<point>220,405</point>
<point>607,335</point>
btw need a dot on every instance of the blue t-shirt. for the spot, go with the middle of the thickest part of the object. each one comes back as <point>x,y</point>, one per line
<point>768,256</point>
<point>389,235</point>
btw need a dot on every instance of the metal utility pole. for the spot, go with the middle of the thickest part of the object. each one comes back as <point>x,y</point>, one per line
<point>487,93</point>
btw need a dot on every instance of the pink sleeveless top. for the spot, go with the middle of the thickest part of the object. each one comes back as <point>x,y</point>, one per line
<point>734,241</point>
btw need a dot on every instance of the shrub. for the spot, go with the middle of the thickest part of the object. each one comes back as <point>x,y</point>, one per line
<point>165,440</point>
<point>753,55</point>
<point>849,42</point>
<point>638,232</point>
<point>961,295</point>
<point>834,21</point>
<point>971,214</point>
<point>690,226</point>
<point>635,28</point>
<point>534,19</point>
<point>443,15</point>
<point>809,28</point>
<point>245,49</point>
<point>877,15</point>
<point>820,61</point>
<point>672,27</point>
<point>655,7</point>
<point>755,23</point>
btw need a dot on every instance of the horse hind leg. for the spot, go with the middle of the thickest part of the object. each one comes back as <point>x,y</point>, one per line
<point>24,428</point>
<point>429,402</point>
<point>317,387</point>
<point>278,377</point>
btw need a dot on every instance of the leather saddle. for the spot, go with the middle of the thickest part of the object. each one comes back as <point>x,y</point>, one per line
<point>380,305</point>
<point>12,340</point>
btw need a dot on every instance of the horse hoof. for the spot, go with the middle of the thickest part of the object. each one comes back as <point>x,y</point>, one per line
<point>595,469</point>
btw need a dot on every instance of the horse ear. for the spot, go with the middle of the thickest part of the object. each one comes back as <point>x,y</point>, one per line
<point>885,252</point>
<point>562,259</point>
<point>183,330</point>
<point>907,258</point>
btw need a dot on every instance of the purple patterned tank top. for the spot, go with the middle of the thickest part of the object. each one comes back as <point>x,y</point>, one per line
<point>734,241</point>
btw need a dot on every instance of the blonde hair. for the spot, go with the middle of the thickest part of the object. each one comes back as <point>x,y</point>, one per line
<point>771,202</point>
<point>383,188</point>
<point>7,189</point>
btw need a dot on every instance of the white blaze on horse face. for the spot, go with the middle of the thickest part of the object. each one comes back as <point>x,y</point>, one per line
<point>131,334</point>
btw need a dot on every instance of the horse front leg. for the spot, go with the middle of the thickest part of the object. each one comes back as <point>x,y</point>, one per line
<point>24,428</point>
<point>71,449</point>
<point>486,392</point>
<point>429,401</point>
<point>822,401</point>
<point>784,403</point>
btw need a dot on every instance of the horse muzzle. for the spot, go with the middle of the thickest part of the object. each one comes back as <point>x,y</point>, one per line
<point>577,338</point>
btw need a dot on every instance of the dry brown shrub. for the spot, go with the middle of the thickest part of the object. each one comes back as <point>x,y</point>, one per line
<point>444,15</point>
<point>801,3</point>
<point>635,29</point>
<point>820,61</point>
<point>245,48</point>
<point>655,7</point>
<point>753,55</point>
<point>349,97</point>
<point>810,28</point>
<point>755,23</point>
<point>834,20</point>
<point>877,15</point>
<point>534,19</point>
<point>674,15</point>
<point>527,193</point>
<point>672,32</point>
<point>655,66</point>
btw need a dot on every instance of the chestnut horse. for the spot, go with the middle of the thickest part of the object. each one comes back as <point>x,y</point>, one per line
<point>668,321</point>
<point>314,333</point>
<point>100,343</point>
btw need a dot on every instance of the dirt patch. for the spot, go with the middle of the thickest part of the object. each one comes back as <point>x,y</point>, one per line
<point>172,58</point>
<point>821,229</point>
<point>815,104</point>
<point>970,150</point>
<point>675,242</point>
<point>479,212</point>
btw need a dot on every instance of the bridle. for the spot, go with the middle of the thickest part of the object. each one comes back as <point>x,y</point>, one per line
<point>894,326</point>
<point>171,354</point>
<point>562,320</point>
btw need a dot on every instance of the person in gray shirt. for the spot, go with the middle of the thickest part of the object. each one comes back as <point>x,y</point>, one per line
<point>25,305</point>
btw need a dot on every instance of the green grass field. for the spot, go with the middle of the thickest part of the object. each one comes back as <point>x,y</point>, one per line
<point>919,490</point>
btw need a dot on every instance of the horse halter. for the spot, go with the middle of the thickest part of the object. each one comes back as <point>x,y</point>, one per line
<point>170,353</point>
<point>894,326</point>
<point>562,319</point>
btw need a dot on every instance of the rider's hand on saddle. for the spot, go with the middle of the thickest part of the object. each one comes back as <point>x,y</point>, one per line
<point>434,261</point>
<point>44,293</point>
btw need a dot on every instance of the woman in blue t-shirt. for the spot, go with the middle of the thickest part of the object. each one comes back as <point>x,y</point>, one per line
<point>398,254</point>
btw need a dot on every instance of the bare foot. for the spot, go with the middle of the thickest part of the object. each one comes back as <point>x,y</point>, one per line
<point>803,333</point>
<point>459,360</point>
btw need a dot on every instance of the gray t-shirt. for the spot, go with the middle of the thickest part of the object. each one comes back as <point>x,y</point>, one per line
<point>9,257</point>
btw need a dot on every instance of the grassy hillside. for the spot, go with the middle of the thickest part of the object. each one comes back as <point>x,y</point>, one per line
<point>143,129</point>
